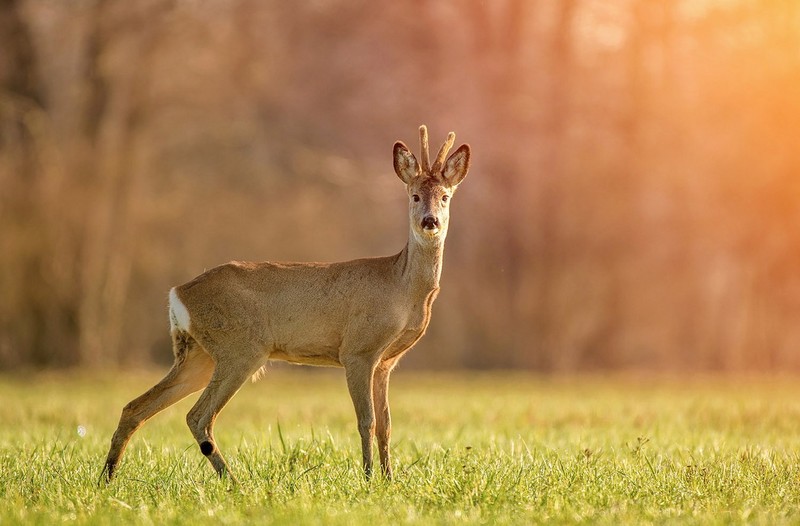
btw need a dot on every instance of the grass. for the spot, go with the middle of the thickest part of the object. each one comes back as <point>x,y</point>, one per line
<point>468,448</point>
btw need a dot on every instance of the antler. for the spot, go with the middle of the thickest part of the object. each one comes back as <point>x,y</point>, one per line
<point>440,158</point>
<point>423,143</point>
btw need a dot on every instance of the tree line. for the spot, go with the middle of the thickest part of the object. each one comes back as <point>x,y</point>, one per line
<point>632,202</point>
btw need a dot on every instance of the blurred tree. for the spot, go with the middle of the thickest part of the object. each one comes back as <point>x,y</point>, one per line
<point>117,63</point>
<point>21,105</point>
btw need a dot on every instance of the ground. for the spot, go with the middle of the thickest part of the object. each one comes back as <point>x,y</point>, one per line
<point>492,448</point>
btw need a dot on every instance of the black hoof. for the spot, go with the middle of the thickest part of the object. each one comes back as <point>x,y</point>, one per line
<point>107,474</point>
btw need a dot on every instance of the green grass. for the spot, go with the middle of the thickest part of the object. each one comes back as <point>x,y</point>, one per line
<point>486,449</point>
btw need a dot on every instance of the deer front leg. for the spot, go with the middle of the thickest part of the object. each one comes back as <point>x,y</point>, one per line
<point>359,373</point>
<point>383,419</point>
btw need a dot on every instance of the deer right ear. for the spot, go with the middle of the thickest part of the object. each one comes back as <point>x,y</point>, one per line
<point>457,165</point>
<point>405,164</point>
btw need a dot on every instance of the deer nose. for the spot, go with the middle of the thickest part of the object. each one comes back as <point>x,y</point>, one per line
<point>430,222</point>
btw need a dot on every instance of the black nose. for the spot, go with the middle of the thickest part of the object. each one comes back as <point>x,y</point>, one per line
<point>430,222</point>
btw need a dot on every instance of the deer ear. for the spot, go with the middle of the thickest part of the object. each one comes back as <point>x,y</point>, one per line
<point>457,165</point>
<point>405,164</point>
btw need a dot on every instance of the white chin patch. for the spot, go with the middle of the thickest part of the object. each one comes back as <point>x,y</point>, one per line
<point>425,235</point>
<point>178,315</point>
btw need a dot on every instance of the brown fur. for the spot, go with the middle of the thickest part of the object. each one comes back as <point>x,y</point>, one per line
<point>362,315</point>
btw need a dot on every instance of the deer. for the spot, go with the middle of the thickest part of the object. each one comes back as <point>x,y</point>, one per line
<point>362,315</point>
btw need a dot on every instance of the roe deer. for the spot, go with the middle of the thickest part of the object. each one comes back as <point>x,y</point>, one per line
<point>362,315</point>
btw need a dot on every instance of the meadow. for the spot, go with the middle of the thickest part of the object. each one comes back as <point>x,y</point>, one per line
<point>489,448</point>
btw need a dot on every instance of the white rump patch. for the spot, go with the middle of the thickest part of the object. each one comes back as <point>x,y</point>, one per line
<point>178,315</point>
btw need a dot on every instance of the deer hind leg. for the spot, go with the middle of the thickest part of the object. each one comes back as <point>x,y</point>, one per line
<point>191,371</point>
<point>225,383</point>
<point>359,374</point>
<point>383,419</point>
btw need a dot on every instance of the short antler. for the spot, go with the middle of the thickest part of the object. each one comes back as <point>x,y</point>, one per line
<point>423,144</point>
<point>442,156</point>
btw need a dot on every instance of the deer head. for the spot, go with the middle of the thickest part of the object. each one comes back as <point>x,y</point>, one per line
<point>430,188</point>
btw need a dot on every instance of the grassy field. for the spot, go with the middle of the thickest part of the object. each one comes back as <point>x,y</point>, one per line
<point>484,449</point>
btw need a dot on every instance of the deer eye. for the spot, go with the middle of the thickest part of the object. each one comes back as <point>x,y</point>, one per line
<point>415,197</point>
<point>445,197</point>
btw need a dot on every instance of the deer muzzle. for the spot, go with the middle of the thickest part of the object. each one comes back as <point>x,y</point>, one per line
<point>430,223</point>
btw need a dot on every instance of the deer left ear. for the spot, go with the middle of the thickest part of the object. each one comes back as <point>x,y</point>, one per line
<point>405,164</point>
<point>457,165</point>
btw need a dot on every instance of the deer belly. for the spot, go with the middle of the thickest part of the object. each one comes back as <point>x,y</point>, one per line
<point>310,359</point>
<point>309,356</point>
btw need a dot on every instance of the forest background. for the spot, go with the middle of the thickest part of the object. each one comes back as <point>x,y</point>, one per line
<point>632,203</point>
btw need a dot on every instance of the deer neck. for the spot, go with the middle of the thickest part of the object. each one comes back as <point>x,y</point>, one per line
<point>420,264</point>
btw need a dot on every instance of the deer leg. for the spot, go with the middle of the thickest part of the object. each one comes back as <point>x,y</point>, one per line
<point>383,419</point>
<point>359,374</point>
<point>225,382</point>
<point>191,371</point>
